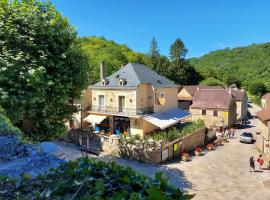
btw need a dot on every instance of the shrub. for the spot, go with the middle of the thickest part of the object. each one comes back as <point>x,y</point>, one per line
<point>6,127</point>
<point>90,179</point>
<point>178,131</point>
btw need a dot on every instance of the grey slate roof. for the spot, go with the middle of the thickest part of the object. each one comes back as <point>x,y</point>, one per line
<point>135,74</point>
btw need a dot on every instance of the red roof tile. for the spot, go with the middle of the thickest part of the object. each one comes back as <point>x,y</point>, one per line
<point>191,89</point>
<point>264,114</point>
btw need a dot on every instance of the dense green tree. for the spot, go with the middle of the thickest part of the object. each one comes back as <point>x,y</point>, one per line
<point>155,61</point>
<point>242,64</point>
<point>257,88</point>
<point>99,49</point>
<point>42,66</point>
<point>212,82</point>
<point>153,56</point>
<point>230,79</point>
<point>180,70</point>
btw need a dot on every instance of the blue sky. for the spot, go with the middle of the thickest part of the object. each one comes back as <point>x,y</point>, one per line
<point>203,25</point>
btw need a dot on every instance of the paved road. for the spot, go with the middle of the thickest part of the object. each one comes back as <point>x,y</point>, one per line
<point>219,174</point>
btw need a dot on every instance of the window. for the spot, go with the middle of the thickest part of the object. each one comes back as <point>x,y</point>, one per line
<point>162,94</point>
<point>215,113</point>
<point>203,112</point>
<point>101,101</point>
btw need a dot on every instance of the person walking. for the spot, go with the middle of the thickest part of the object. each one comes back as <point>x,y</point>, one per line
<point>260,160</point>
<point>251,164</point>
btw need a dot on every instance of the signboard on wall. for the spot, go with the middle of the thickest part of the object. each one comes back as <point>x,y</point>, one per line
<point>175,147</point>
<point>225,114</point>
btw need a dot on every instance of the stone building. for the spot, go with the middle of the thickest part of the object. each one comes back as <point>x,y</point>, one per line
<point>132,101</point>
<point>187,93</point>
<point>241,102</point>
<point>263,131</point>
<point>265,101</point>
<point>217,107</point>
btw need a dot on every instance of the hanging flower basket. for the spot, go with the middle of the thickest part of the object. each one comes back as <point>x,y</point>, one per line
<point>210,147</point>
<point>185,157</point>
<point>198,151</point>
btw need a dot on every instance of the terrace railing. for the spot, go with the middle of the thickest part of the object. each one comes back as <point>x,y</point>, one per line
<point>122,110</point>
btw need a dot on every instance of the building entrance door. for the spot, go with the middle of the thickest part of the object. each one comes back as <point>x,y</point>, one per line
<point>122,125</point>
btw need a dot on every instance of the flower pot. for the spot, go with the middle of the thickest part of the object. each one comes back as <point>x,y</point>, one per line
<point>224,140</point>
<point>210,148</point>
<point>185,157</point>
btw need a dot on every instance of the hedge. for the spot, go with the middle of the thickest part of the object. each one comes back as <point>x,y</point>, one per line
<point>90,179</point>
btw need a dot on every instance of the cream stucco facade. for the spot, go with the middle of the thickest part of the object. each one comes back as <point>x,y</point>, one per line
<point>183,93</point>
<point>265,103</point>
<point>242,107</point>
<point>219,118</point>
<point>143,98</point>
<point>263,137</point>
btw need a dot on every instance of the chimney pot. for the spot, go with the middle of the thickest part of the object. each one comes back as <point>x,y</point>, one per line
<point>102,69</point>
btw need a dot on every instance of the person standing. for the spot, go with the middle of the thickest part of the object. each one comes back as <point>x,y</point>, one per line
<point>251,164</point>
<point>260,160</point>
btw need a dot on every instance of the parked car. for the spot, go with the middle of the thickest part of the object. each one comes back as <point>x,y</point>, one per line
<point>246,137</point>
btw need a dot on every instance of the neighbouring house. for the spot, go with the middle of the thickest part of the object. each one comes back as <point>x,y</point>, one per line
<point>241,102</point>
<point>217,107</point>
<point>263,131</point>
<point>187,93</point>
<point>265,100</point>
<point>132,101</point>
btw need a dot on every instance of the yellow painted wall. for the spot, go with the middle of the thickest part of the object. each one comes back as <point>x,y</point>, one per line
<point>184,93</point>
<point>171,101</point>
<point>145,96</point>
<point>148,127</point>
<point>86,101</point>
<point>209,119</point>
<point>111,97</point>
<point>136,127</point>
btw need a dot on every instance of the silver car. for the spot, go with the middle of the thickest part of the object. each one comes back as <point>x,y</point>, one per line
<point>246,137</point>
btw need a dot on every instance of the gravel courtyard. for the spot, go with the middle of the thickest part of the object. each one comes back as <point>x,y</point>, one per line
<point>220,174</point>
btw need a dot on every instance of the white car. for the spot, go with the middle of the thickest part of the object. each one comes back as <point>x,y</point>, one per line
<point>246,137</point>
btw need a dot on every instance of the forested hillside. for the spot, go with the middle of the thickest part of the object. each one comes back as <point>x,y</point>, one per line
<point>99,49</point>
<point>247,66</point>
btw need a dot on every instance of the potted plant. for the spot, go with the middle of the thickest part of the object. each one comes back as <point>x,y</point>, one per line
<point>198,151</point>
<point>185,156</point>
<point>224,140</point>
<point>210,147</point>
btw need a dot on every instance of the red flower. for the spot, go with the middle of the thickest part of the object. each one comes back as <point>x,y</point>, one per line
<point>198,149</point>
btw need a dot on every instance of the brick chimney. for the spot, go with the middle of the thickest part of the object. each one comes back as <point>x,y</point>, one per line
<point>102,69</point>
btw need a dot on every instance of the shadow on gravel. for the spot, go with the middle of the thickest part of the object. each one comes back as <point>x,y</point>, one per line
<point>176,176</point>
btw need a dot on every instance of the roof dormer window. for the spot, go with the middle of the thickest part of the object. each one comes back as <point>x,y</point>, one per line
<point>122,82</point>
<point>104,82</point>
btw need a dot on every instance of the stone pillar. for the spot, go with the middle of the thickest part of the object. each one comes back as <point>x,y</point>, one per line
<point>111,125</point>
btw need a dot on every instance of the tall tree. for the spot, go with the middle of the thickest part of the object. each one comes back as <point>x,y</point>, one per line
<point>157,62</point>
<point>42,66</point>
<point>180,70</point>
<point>153,55</point>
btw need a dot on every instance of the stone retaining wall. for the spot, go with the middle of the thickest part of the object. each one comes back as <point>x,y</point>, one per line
<point>153,153</point>
<point>190,142</point>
